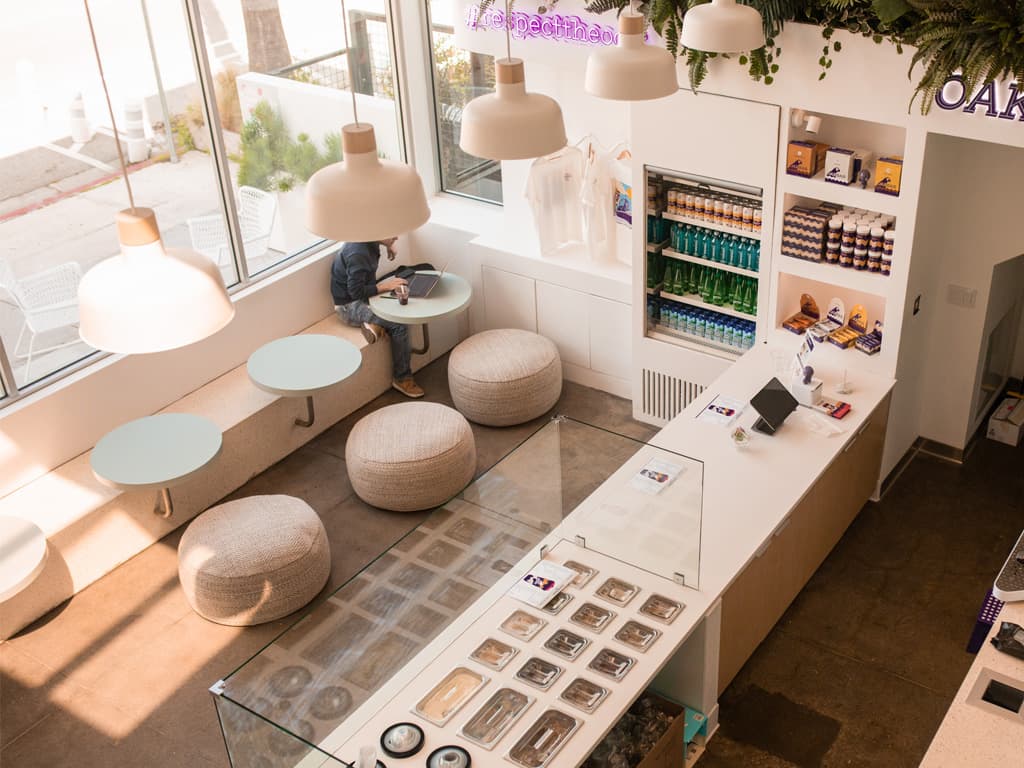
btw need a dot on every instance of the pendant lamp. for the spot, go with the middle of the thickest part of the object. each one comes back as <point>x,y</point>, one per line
<point>511,123</point>
<point>363,198</point>
<point>722,26</point>
<point>148,298</point>
<point>631,70</point>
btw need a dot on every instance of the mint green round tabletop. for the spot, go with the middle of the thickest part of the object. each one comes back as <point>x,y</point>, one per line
<point>155,451</point>
<point>449,297</point>
<point>299,366</point>
<point>22,554</point>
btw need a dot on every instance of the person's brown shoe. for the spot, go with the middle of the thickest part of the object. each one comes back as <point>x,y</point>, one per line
<point>408,387</point>
<point>372,333</point>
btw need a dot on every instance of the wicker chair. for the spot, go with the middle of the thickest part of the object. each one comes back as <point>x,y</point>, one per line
<point>256,212</point>
<point>48,301</point>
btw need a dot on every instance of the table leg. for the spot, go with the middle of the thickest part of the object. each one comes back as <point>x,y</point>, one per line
<point>308,421</point>
<point>426,342</point>
<point>164,500</point>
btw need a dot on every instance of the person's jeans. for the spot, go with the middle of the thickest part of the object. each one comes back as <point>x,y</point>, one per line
<point>356,313</point>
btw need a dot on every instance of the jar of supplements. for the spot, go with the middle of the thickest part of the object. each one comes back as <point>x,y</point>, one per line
<point>849,235</point>
<point>877,238</point>
<point>860,258</point>
<point>888,243</point>
<point>846,256</point>
<point>863,237</point>
<point>874,260</point>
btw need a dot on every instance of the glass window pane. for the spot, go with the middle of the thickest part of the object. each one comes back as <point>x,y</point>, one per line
<point>284,82</point>
<point>58,160</point>
<point>459,76</point>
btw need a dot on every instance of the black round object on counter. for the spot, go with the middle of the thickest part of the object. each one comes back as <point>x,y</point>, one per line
<point>450,756</point>
<point>402,740</point>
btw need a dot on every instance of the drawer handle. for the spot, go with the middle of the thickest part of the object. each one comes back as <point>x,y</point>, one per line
<point>763,548</point>
<point>860,432</point>
<point>783,526</point>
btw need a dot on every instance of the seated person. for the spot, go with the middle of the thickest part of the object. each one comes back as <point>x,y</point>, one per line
<point>353,282</point>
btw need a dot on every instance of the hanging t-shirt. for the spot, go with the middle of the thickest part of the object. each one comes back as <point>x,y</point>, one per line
<point>553,191</point>
<point>598,206</point>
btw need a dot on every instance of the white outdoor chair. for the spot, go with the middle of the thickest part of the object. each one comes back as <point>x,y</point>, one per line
<point>48,300</point>
<point>256,212</point>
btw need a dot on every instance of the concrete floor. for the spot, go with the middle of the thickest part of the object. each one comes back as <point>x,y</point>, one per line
<point>858,672</point>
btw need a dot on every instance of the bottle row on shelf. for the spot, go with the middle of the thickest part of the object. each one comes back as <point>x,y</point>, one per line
<point>732,250</point>
<point>701,204</point>
<point>705,324</point>
<point>713,286</point>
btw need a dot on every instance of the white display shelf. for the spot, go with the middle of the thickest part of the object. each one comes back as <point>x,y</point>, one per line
<point>673,254</point>
<point>709,225</point>
<point>853,196</point>
<point>697,301</point>
<point>699,343</point>
<point>828,354</point>
<point>656,247</point>
<point>823,272</point>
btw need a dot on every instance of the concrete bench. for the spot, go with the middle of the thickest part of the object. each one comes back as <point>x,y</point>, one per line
<point>91,528</point>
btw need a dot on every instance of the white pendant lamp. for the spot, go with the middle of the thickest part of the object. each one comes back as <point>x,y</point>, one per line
<point>631,70</point>
<point>364,198</point>
<point>722,26</point>
<point>148,298</point>
<point>511,123</point>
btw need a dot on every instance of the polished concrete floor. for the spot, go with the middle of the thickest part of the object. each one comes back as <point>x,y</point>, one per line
<point>857,673</point>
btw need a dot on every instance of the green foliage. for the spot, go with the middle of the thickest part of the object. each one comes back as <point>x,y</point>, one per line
<point>984,39</point>
<point>272,161</point>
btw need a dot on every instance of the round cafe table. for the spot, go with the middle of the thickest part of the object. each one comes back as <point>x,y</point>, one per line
<point>158,451</point>
<point>449,297</point>
<point>302,365</point>
<point>22,554</point>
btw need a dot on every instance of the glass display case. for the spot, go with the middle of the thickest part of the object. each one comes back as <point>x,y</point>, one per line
<point>297,701</point>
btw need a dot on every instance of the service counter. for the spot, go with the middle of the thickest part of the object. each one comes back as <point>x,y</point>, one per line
<point>764,516</point>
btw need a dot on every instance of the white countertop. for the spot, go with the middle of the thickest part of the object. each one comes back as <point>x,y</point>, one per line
<point>970,736</point>
<point>301,365</point>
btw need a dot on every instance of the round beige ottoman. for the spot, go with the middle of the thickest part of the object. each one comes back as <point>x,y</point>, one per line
<point>253,560</point>
<point>410,456</point>
<point>504,377</point>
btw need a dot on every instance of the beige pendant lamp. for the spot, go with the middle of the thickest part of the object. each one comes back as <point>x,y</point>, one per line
<point>364,198</point>
<point>722,26</point>
<point>511,123</point>
<point>148,298</point>
<point>631,70</point>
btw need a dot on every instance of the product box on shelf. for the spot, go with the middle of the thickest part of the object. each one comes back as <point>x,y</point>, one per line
<point>871,343</point>
<point>804,231</point>
<point>842,166</point>
<point>1006,425</point>
<point>856,327</point>
<point>808,315</point>
<point>888,172</point>
<point>805,158</point>
<point>667,752</point>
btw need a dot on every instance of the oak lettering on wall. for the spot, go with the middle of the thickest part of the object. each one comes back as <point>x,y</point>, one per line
<point>953,95</point>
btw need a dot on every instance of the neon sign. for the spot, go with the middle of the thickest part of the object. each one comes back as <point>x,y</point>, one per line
<point>953,95</point>
<point>548,26</point>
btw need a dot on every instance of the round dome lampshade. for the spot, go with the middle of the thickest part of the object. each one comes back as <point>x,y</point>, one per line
<point>364,198</point>
<point>722,26</point>
<point>511,124</point>
<point>631,70</point>
<point>149,298</point>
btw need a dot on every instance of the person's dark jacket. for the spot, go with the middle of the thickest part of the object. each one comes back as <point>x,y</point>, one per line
<point>354,273</point>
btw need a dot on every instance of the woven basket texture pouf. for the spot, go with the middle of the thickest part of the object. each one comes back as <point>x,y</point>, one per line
<point>504,377</point>
<point>410,456</point>
<point>253,560</point>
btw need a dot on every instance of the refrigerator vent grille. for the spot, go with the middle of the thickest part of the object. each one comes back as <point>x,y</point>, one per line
<point>665,396</point>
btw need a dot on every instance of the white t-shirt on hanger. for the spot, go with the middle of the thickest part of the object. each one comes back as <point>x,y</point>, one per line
<point>597,198</point>
<point>553,191</point>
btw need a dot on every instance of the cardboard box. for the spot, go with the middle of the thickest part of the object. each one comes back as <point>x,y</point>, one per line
<point>842,166</point>
<point>669,751</point>
<point>1005,425</point>
<point>805,158</point>
<point>888,172</point>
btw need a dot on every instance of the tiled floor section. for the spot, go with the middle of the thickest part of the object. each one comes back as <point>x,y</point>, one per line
<point>858,672</point>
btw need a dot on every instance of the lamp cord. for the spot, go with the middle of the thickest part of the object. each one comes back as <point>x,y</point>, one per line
<point>508,30</point>
<point>348,53</point>
<point>110,108</point>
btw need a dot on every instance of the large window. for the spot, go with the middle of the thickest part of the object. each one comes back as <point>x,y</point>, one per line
<point>283,80</point>
<point>459,76</point>
<point>280,83</point>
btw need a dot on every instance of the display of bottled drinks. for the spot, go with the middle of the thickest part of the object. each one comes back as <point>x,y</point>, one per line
<point>705,324</point>
<point>719,247</point>
<point>713,286</point>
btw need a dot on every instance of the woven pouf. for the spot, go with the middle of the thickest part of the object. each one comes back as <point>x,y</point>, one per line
<point>410,456</point>
<point>253,560</point>
<point>504,377</point>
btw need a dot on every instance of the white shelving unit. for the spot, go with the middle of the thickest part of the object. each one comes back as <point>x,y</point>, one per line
<point>823,272</point>
<point>697,301</point>
<point>728,230</point>
<point>853,196</point>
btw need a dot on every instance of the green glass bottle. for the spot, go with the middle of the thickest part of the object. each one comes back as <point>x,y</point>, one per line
<point>749,302</point>
<point>705,285</point>
<point>718,290</point>
<point>667,276</point>
<point>678,286</point>
<point>651,276</point>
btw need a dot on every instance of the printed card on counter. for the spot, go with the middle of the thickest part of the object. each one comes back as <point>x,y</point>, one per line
<point>834,408</point>
<point>655,476</point>
<point>541,583</point>
<point>722,410</point>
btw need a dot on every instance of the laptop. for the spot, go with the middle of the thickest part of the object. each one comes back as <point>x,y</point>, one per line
<point>421,284</point>
<point>773,404</point>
